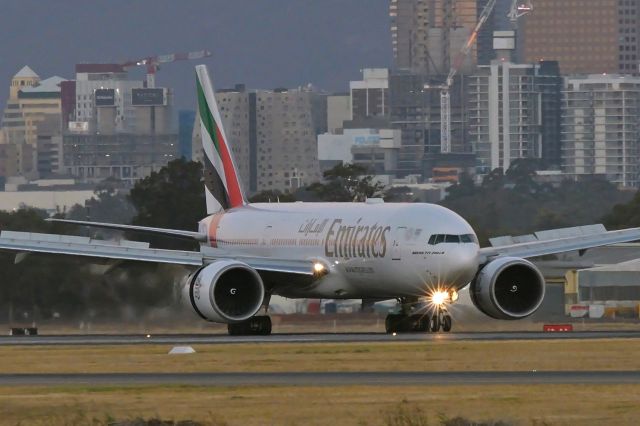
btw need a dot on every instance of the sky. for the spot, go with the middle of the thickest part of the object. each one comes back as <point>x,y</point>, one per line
<point>262,43</point>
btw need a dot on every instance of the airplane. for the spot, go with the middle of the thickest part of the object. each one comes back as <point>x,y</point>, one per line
<point>420,254</point>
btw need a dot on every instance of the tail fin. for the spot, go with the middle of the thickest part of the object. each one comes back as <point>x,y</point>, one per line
<point>222,186</point>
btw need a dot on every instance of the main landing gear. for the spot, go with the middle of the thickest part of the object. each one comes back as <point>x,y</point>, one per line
<point>441,320</point>
<point>405,322</point>
<point>259,325</point>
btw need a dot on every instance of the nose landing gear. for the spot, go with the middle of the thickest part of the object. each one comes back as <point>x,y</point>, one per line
<point>406,322</point>
<point>441,320</point>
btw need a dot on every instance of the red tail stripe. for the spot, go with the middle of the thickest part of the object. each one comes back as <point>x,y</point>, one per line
<point>213,229</point>
<point>233,186</point>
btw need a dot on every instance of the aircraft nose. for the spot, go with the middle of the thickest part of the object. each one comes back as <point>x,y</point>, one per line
<point>466,257</point>
<point>460,266</point>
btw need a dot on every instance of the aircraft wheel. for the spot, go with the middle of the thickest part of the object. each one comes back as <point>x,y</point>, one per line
<point>420,323</point>
<point>258,325</point>
<point>435,323</point>
<point>446,323</point>
<point>393,323</point>
<point>237,329</point>
<point>264,325</point>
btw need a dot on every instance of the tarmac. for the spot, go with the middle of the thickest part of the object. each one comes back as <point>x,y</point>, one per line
<point>193,339</point>
<point>417,378</point>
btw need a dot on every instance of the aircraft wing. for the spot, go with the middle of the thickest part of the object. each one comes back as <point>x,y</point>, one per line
<point>541,247</point>
<point>26,242</point>
<point>175,233</point>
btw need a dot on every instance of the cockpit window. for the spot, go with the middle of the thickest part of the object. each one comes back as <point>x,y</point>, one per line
<point>448,238</point>
<point>451,238</point>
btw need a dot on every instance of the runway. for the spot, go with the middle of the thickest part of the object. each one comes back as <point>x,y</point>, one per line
<point>326,378</point>
<point>193,339</point>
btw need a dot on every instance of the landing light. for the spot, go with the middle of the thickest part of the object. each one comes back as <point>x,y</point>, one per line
<point>318,268</point>
<point>439,297</point>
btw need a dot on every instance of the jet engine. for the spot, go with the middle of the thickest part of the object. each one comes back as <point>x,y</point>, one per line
<point>508,288</point>
<point>225,291</point>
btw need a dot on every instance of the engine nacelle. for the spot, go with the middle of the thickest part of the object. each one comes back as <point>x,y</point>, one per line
<point>508,288</point>
<point>225,291</point>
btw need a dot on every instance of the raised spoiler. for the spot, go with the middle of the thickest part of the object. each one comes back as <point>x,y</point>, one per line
<point>84,246</point>
<point>175,233</point>
<point>559,245</point>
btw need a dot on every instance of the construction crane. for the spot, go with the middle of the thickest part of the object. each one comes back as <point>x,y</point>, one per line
<point>519,8</point>
<point>153,62</point>
<point>445,97</point>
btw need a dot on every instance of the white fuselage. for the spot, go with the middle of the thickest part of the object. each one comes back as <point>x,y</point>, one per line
<point>371,250</point>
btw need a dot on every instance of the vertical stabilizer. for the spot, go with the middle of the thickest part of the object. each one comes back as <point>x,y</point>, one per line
<point>222,185</point>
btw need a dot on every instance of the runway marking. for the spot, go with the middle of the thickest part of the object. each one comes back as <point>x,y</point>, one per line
<point>327,378</point>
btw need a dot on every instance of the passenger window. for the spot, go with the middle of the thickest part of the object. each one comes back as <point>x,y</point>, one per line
<point>452,239</point>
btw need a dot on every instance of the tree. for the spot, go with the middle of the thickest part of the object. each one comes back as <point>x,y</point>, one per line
<point>516,204</point>
<point>39,283</point>
<point>346,182</point>
<point>110,204</point>
<point>522,173</point>
<point>272,196</point>
<point>399,194</point>
<point>624,215</point>
<point>170,198</point>
<point>464,188</point>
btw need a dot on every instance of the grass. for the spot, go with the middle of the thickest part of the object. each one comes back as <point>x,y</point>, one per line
<point>542,355</point>
<point>353,405</point>
<point>342,405</point>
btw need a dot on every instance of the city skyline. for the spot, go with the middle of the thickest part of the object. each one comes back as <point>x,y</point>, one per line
<point>253,42</point>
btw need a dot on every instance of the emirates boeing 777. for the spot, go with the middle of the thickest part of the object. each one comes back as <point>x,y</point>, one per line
<point>419,254</point>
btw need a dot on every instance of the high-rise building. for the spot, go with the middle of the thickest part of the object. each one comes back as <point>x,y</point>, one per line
<point>426,35</point>
<point>117,127</point>
<point>513,113</point>
<point>601,128</point>
<point>338,111</point>
<point>416,112</point>
<point>103,98</point>
<point>186,119</point>
<point>584,36</point>
<point>549,84</point>
<point>31,103</point>
<point>15,159</point>
<point>272,135</point>
<point>49,146</point>
<point>374,149</point>
<point>370,96</point>
<point>30,100</point>
<point>498,21</point>
<point>109,102</point>
<point>413,112</point>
